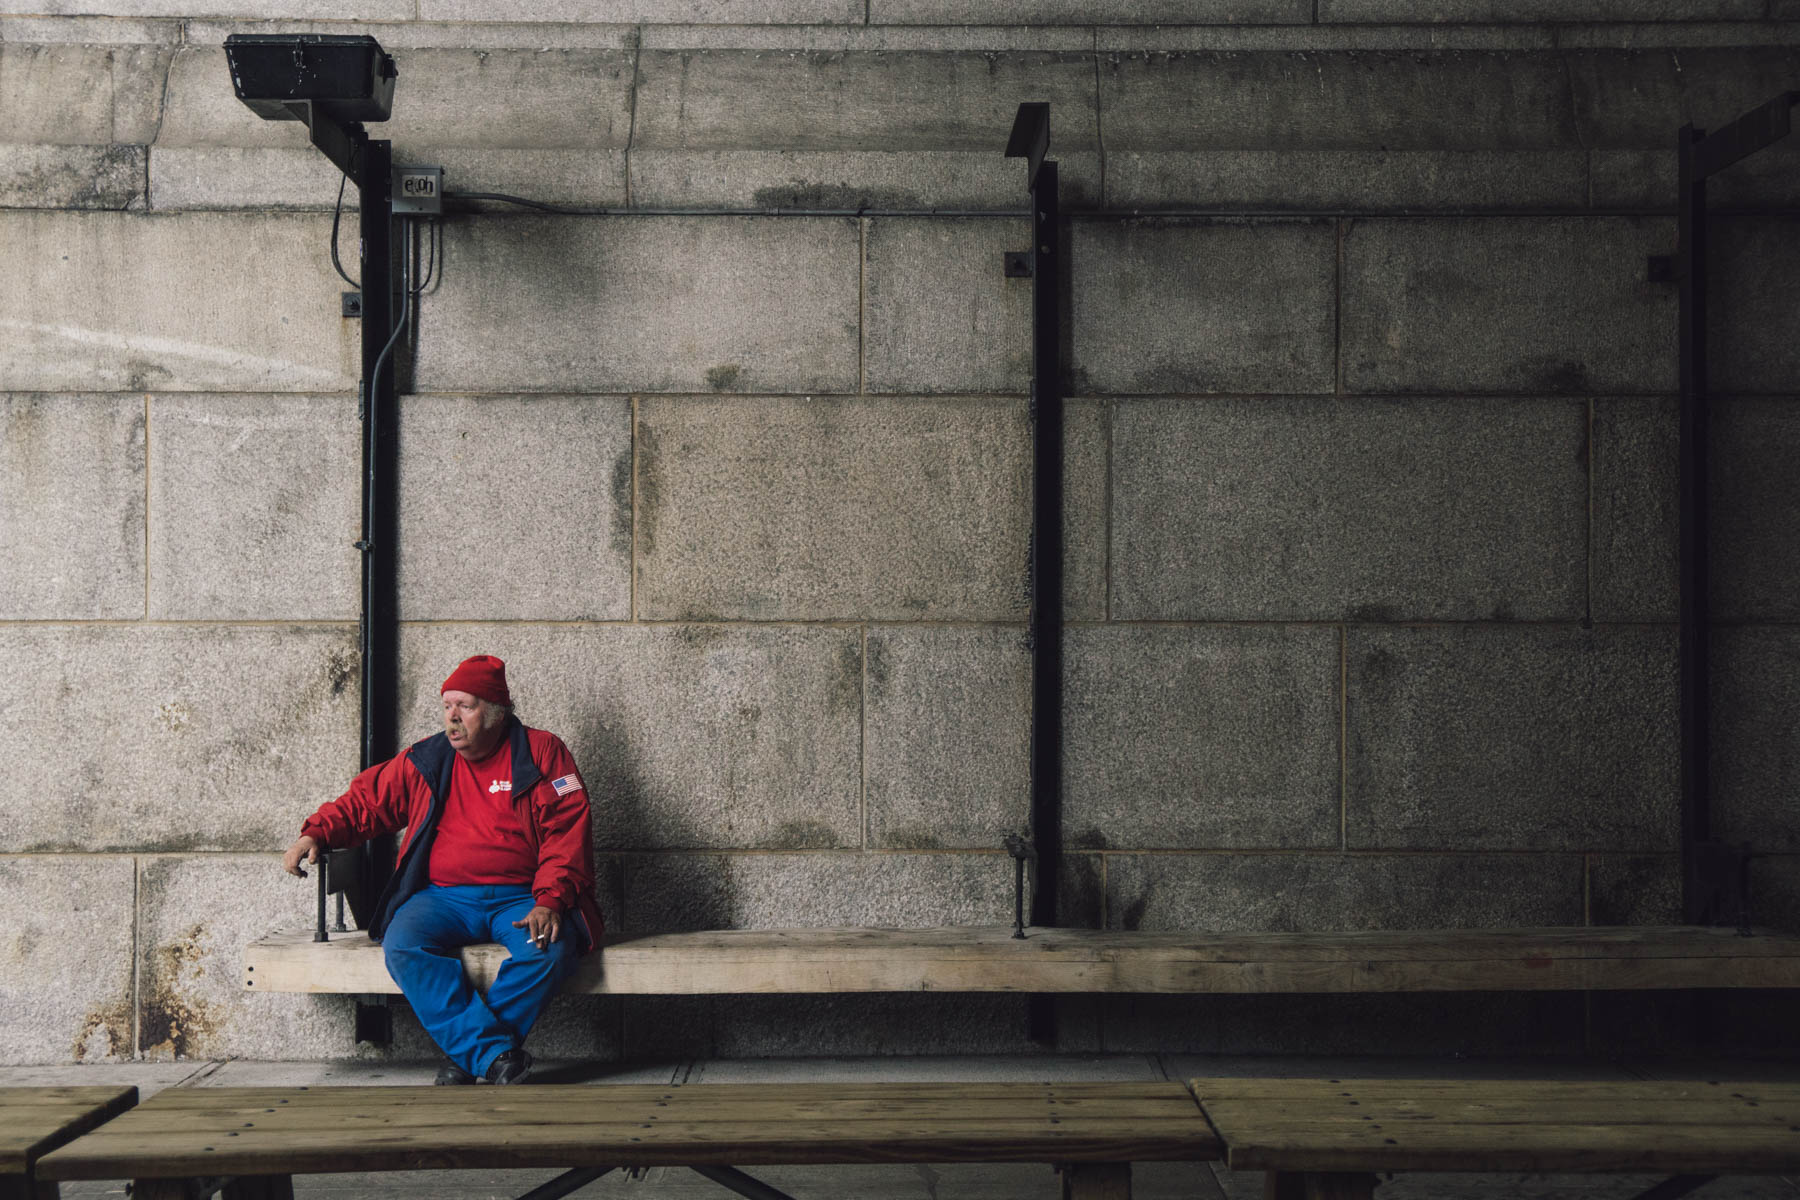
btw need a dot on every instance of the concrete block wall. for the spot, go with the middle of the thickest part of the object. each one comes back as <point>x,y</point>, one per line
<point>1370,486</point>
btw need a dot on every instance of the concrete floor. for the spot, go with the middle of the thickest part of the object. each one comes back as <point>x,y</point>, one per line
<point>1151,1181</point>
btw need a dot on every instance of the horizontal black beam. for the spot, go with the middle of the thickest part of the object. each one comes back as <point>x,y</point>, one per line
<point>1757,128</point>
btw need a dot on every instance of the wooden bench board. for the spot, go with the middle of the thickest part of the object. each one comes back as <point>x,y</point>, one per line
<point>1314,1125</point>
<point>273,1131</point>
<point>990,959</point>
<point>36,1119</point>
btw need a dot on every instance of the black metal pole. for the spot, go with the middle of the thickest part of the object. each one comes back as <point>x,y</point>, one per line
<point>1046,541</point>
<point>1695,629</point>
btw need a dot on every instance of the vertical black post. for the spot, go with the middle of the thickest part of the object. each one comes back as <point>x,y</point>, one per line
<point>1695,633</point>
<point>1046,540</point>
<point>380,502</point>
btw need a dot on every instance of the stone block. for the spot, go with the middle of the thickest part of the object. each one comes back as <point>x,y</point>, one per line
<point>189,302</point>
<point>320,10</point>
<point>197,912</point>
<point>551,476</point>
<point>1634,889</point>
<point>175,737</point>
<point>1360,180</point>
<point>1753,302</point>
<point>849,179</point>
<point>674,892</point>
<point>71,507</point>
<point>1636,498</point>
<point>81,94</point>
<point>1200,737</point>
<point>822,509</point>
<point>1327,99</point>
<point>939,315</point>
<point>1520,738</point>
<point>946,737</point>
<point>1647,179</point>
<point>1524,305</point>
<point>655,304</point>
<point>264,177</point>
<point>1093,12</point>
<point>487,97</point>
<point>848,100</point>
<point>1204,306</point>
<point>1755,736</point>
<point>67,950</point>
<point>882,1025</point>
<point>254,504</point>
<point>1775,892</point>
<point>1755,510</point>
<point>734,12</point>
<point>1390,509</point>
<point>1635,99</point>
<point>687,736</point>
<point>1331,893</point>
<point>1474,11</point>
<point>1087,442</point>
<point>106,177</point>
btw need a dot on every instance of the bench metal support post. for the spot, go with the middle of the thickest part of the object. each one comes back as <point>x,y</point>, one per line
<point>569,1181</point>
<point>742,1184</point>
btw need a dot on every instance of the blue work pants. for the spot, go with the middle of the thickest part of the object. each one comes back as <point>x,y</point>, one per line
<point>421,946</point>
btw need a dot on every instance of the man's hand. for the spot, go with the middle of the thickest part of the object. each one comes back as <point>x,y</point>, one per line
<point>303,847</point>
<point>542,924</point>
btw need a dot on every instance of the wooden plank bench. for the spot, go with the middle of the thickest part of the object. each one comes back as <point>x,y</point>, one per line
<point>1319,1138</point>
<point>990,959</point>
<point>36,1120</point>
<point>261,1137</point>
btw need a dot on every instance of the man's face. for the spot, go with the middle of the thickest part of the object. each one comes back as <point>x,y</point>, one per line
<point>472,725</point>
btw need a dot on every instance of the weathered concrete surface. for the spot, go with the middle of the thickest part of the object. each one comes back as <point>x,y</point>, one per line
<point>175,737</point>
<point>66,991</point>
<point>1524,305</point>
<point>1756,736</point>
<point>549,476</point>
<point>1494,738</point>
<point>1292,893</point>
<point>820,509</point>
<point>689,736</point>
<point>71,507</point>
<point>1203,306</point>
<point>107,177</point>
<point>758,1026</point>
<point>197,912</point>
<point>1755,509</point>
<point>939,315</point>
<point>1372,100</point>
<point>1540,10</point>
<point>644,304</point>
<point>265,177</point>
<point>671,892</point>
<point>1647,179</point>
<point>900,100</point>
<point>1277,509</point>
<point>1090,12</point>
<point>1200,737</point>
<point>75,94</point>
<point>1087,444</point>
<point>1634,889</point>
<point>321,10</point>
<point>1636,498</point>
<point>786,12</point>
<point>853,179</point>
<point>254,504</point>
<point>1753,315</point>
<point>946,725</point>
<point>199,301</point>
<point>1637,99</point>
<point>1363,180</point>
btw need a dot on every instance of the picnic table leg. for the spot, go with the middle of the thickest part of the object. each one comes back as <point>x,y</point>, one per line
<point>1318,1185</point>
<point>1096,1181</point>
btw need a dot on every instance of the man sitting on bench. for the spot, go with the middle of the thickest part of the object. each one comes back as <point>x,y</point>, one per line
<point>498,849</point>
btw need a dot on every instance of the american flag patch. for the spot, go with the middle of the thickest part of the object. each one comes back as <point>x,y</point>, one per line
<point>565,785</point>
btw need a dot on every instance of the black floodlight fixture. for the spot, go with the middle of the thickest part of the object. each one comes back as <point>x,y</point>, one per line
<point>289,76</point>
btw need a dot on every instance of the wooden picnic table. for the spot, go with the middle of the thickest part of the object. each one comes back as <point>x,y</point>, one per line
<point>264,1136</point>
<point>1324,1137</point>
<point>34,1121</point>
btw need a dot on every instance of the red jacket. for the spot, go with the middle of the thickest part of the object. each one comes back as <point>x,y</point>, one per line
<point>409,790</point>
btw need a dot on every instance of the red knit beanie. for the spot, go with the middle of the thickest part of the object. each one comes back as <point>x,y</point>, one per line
<point>484,676</point>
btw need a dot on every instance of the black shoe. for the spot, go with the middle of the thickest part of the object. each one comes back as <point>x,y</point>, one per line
<point>451,1075</point>
<point>511,1067</point>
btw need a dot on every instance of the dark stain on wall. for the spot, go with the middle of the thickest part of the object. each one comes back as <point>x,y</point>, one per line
<point>104,1034</point>
<point>174,1022</point>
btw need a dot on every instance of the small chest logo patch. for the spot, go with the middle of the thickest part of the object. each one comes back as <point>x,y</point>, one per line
<point>500,785</point>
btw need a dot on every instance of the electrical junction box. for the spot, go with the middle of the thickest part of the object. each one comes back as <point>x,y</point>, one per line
<point>419,190</point>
